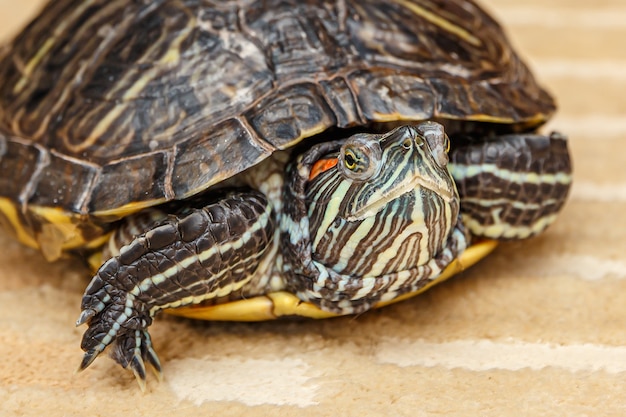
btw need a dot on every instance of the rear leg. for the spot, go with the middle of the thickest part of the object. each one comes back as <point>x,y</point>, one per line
<point>184,259</point>
<point>511,186</point>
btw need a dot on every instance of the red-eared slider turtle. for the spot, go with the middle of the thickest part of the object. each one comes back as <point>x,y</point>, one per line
<point>267,152</point>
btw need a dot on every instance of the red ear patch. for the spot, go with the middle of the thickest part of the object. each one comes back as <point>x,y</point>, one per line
<point>321,166</point>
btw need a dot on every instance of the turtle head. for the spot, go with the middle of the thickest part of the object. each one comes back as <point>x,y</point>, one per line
<point>381,168</point>
<point>375,204</point>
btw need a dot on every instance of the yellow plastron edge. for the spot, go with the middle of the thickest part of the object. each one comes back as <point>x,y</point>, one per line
<point>284,304</point>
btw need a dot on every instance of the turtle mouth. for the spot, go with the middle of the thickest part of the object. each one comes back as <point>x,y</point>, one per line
<point>417,182</point>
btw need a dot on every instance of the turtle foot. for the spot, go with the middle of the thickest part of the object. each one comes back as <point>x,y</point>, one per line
<point>125,332</point>
<point>131,350</point>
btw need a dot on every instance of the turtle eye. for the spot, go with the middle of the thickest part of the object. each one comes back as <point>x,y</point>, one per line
<point>349,160</point>
<point>407,144</point>
<point>360,158</point>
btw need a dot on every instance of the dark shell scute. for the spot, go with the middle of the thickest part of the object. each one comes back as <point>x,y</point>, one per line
<point>63,183</point>
<point>18,163</point>
<point>341,98</point>
<point>292,114</point>
<point>213,154</point>
<point>300,39</point>
<point>141,179</point>
<point>393,95</point>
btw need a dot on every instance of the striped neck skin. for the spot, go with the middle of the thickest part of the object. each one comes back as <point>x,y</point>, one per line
<point>364,211</point>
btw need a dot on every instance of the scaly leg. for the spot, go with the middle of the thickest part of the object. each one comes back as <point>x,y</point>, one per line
<point>193,256</point>
<point>511,186</point>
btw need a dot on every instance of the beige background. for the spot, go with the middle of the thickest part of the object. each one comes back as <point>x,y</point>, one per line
<point>537,329</point>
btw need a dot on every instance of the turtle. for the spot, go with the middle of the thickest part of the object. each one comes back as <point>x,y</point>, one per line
<point>248,160</point>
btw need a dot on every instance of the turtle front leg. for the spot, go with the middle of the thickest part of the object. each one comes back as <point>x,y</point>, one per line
<point>200,254</point>
<point>511,186</point>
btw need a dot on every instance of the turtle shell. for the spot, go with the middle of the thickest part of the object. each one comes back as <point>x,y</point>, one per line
<point>110,106</point>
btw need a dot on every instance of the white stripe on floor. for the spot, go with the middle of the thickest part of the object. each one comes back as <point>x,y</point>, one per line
<point>584,267</point>
<point>283,381</point>
<point>483,355</point>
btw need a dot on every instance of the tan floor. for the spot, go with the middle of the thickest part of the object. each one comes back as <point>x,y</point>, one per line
<point>537,329</point>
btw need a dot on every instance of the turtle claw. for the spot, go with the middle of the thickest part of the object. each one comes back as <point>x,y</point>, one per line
<point>143,353</point>
<point>88,359</point>
<point>139,370</point>
<point>85,316</point>
<point>154,362</point>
